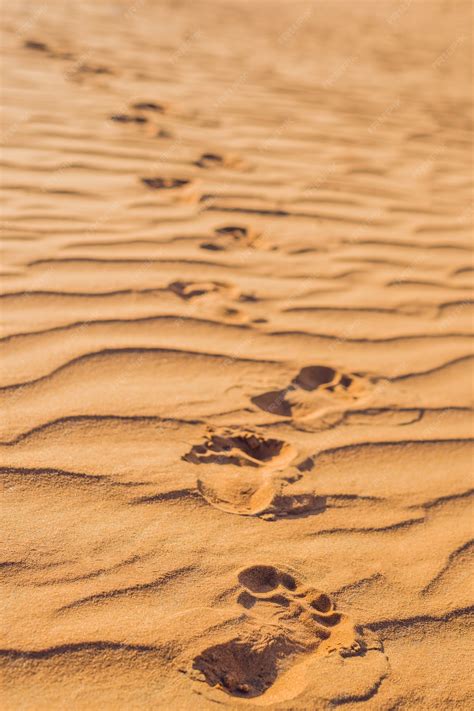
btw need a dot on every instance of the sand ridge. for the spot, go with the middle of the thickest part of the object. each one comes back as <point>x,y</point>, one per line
<point>236,311</point>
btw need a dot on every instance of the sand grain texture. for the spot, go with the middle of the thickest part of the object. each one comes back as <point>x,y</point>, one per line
<point>236,341</point>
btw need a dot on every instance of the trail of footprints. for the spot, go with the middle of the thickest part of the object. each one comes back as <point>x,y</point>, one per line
<point>284,623</point>
<point>78,70</point>
<point>278,625</point>
<point>226,237</point>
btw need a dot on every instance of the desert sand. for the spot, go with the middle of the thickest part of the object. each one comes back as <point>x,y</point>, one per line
<point>236,375</point>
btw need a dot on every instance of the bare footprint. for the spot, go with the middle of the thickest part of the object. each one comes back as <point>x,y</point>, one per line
<point>144,113</point>
<point>210,160</point>
<point>313,390</point>
<point>250,485</point>
<point>285,625</point>
<point>36,45</point>
<point>128,118</point>
<point>191,289</point>
<point>216,160</point>
<point>78,70</point>
<point>234,236</point>
<point>241,449</point>
<point>83,70</point>
<point>93,69</point>
<point>148,106</point>
<point>215,299</point>
<point>163,133</point>
<point>164,183</point>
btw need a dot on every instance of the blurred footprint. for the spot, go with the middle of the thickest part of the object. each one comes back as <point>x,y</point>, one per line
<point>217,160</point>
<point>165,183</point>
<point>235,237</point>
<point>313,389</point>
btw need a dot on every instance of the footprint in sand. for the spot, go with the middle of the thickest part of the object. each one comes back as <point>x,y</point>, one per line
<point>78,70</point>
<point>148,106</point>
<point>259,479</point>
<point>144,113</point>
<point>128,118</point>
<point>36,45</point>
<point>191,289</point>
<point>283,624</point>
<point>241,449</point>
<point>163,133</point>
<point>235,237</point>
<point>314,390</point>
<point>216,160</point>
<point>165,183</point>
<point>85,68</point>
<point>216,298</point>
<point>210,160</point>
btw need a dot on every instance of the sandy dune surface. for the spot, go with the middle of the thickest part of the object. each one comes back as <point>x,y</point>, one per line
<point>236,376</point>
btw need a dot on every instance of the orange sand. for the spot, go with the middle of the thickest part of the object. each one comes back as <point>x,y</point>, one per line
<point>236,312</point>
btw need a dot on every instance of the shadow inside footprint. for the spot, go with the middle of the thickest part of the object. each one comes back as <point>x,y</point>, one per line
<point>265,578</point>
<point>274,402</point>
<point>314,376</point>
<point>239,667</point>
